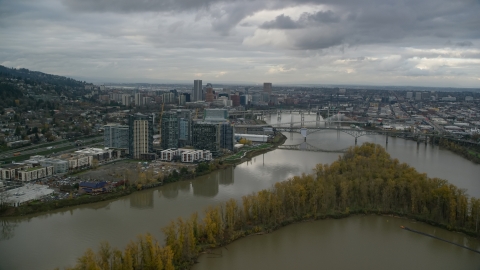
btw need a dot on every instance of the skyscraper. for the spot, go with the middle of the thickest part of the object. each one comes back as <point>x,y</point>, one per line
<point>197,90</point>
<point>267,87</point>
<point>209,93</point>
<point>169,130</point>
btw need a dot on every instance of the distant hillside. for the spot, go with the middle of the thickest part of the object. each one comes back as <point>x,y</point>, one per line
<point>39,77</point>
<point>24,89</point>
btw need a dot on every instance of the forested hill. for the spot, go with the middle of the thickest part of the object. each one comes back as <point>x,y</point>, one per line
<point>30,76</point>
<point>23,89</point>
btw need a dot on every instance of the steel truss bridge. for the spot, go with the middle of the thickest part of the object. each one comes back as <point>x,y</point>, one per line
<point>325,126</point>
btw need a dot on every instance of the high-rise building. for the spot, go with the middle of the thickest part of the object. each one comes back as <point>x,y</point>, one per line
<point>244,100</point>
<point>206,136</point>
<point>138,99</point>
<point>197,93</point>
<point>235,100</point>
<point>184,118</point>
<point>140,135</point>
<point>267,87</point>
<point>169,130</point>
<point>126,100</point>
<point>115,136</point>
<point>227,136</point>
<point>209,93</point>
<point>213,136</point>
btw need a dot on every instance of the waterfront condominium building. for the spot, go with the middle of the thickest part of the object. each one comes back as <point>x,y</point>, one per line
<point>213,136</point>
<point>140,135</point>
<point>197,90</point>
<point>115,136</point>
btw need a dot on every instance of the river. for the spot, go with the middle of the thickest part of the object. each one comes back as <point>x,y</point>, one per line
<point>56,239</point>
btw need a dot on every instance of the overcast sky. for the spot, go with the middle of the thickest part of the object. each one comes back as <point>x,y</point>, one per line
<point>370,42</point>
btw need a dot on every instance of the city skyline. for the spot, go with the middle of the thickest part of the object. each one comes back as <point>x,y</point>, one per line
<point>396,43</point>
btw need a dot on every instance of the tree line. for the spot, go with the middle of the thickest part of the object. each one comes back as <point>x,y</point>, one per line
<point>364,180</point>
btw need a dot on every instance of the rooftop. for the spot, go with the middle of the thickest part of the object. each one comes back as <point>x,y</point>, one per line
<point>28,192</point>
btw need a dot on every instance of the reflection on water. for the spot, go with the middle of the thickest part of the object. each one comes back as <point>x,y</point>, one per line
<point>7,228</point>
<point>226,177</point>
<point>206,186</point>
<point>69,232</point>
<point>358,242</point>
<point>142,199</point>
<point>169,191</point>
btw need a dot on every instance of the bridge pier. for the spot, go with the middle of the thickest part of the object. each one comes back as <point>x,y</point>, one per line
<point>355,140</point>
<point>426,140</point>
<point>386,140</point>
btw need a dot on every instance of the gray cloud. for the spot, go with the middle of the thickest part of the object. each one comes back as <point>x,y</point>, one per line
<point>329,41</point>
<point>379,22</point>
<point>320,17</point>
<point>464,44</point>
<point>281,22</point>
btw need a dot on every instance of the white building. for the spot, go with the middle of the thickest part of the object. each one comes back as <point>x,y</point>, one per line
<point>167,155</point>
<point>252,137</point>
<point>186,155</point>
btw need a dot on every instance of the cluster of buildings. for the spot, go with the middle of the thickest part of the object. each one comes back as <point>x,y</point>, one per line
<point>38,167</point>
<point>203,95</point>
<point>213,134</point>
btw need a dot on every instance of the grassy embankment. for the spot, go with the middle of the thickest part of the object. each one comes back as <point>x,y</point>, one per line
<point>470,153</point>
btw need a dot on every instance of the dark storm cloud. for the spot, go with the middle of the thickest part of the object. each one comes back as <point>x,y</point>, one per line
<point>319,17</point>
<point>364,21</point>
<point>384,22</point>
<point>281,22</point>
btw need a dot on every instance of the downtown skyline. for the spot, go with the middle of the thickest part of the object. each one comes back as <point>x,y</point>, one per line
<point>397,43</point>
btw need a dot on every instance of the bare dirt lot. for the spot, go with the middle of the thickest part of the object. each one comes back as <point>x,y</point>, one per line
<point>128,169</point>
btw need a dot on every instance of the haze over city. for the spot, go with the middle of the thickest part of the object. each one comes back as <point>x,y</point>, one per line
<point>377,42</point>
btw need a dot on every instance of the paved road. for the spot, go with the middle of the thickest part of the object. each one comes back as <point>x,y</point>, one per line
<point>33,149</point>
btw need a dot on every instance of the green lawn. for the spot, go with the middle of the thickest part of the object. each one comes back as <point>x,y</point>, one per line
<point>246,149</point>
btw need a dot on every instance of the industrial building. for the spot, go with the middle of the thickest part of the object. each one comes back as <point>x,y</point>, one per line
<point>30,192</point>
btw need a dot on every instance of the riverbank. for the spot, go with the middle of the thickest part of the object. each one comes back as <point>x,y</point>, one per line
<point>364,181</point>
<point>470,153</point>
<point>36,207</point>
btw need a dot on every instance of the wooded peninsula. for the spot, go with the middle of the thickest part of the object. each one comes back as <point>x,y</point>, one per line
<point>365,180</point>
